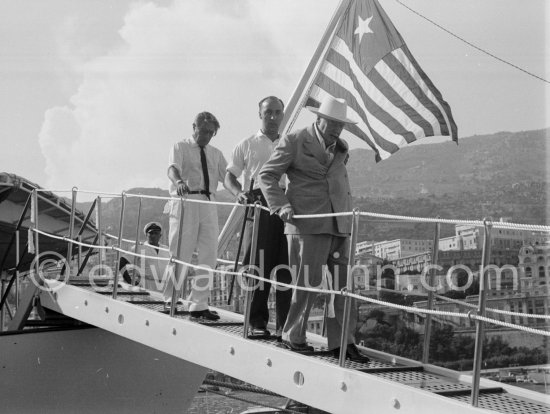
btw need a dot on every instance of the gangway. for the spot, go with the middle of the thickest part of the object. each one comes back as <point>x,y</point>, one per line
<point>386,384</point>
<point>129,339</point>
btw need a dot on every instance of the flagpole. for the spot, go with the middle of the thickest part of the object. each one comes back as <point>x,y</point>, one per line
<point>295,103</point>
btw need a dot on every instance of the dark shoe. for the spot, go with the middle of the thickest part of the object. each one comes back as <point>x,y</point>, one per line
<point>298,347</point>
<point>352,353</point>
<point>205,314</point>
<point>259,333</point>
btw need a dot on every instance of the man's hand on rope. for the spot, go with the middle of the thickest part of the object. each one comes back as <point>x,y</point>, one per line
<point>245,197</point>
<point>181,188</point>
<point>286,214</point>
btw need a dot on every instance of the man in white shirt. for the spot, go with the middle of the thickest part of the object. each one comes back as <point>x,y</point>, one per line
<point>149,269</point>
<point>247,159</point>
<point>195,169</point>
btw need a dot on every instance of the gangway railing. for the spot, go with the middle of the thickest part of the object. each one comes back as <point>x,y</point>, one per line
<point>479,317</point>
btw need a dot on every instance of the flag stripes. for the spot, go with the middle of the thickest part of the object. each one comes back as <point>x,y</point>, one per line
<point>420,76</point>
<point>375,100</point>
<point>394,101</point>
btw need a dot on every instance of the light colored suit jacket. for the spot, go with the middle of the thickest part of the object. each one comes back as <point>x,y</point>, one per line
<point>315,186</point>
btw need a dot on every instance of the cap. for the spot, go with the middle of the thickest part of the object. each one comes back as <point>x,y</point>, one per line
<point>152,226</point>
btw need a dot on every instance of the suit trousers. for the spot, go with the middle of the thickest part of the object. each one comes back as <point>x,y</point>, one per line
<point>199,233</point>
<point>272,263</point>
<point>310,255</point>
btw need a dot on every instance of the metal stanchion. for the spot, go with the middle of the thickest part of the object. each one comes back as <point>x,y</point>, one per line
<point>138,225</point>
<point>71,235</point>
<point>79,253</point>
<point>17,259</point>
<point>117,263</point>
<point>15,238</point>
<point>249,281</point>
<point>483,284</point>
<point>428,321</point>
<point>34,224</point>
<point>349,288</point>
<point>177,288</point>
<point>2,312</point>
<point>100,252</point>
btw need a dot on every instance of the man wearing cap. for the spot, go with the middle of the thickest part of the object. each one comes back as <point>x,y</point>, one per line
<point>314,160</point>
<point>150,268</point>
<point>247,159</point>
<point>195,169</point>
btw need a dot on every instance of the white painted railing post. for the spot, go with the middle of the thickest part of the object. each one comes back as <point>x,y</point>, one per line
<point>429,306</point>
<point>483,285</point>
<point>98,220</point>
<point>120,229</point>
<point>349,288</point>
<point>138,225</point>
<point>69,258</point>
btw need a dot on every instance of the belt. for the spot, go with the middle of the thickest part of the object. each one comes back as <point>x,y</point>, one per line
<point>206,193</point>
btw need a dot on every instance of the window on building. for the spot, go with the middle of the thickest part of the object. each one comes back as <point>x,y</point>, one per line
<point>528,272</point>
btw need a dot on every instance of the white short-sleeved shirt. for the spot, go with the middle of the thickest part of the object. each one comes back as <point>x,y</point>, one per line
<point>186,157</point>
<point>148,261</point>
<point>249,156</point>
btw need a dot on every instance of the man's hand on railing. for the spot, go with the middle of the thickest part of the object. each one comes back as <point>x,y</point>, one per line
<point>181,188</point>
<point>286,213</point>
<point>245,197</point>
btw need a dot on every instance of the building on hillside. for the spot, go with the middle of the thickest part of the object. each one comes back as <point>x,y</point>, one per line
<point>454,258</point>
<point>367,270</point>
<point>522,288</point>
<point>315,321</point>
<point>394,249</point>
<point>418,284</point>
<point>470,237</point>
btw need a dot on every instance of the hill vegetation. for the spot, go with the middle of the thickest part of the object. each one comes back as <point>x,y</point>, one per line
<point>499,175</point>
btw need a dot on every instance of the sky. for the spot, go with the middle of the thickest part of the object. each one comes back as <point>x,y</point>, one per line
<point>94,93</point>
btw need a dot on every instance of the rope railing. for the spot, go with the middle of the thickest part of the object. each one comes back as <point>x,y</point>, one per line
<point>478,314</point>
<point>193,200</point>
<point>493,310</point>
<point>164,249</point>
<point>414,219</point>
<point>342,292</point>
<point>495,224</point>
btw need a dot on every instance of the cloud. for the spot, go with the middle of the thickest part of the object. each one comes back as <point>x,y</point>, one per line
<point>169,63</point>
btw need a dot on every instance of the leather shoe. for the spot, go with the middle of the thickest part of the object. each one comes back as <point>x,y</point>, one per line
<point>297,347</point>
<point>352,353</point>
<point>259,332</point>
<point>205,314</point>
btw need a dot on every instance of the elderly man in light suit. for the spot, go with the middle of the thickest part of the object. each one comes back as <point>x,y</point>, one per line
<point>314,160</point>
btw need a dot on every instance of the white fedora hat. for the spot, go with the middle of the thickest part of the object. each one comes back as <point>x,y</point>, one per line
<point>334,109</point>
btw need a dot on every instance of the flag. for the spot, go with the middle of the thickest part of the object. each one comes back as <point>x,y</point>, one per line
<point>370,66</point>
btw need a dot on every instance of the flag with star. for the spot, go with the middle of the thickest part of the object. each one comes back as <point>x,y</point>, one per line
<point>370,66</point>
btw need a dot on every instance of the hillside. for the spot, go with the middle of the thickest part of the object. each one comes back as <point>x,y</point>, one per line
<point>503,160</point>
<point>499,175</point>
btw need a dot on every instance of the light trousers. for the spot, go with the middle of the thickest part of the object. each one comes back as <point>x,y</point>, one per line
<point>309,256</point>
<point>199,234</point>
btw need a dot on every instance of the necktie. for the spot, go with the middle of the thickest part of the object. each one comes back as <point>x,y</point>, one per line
<point>205,176</point>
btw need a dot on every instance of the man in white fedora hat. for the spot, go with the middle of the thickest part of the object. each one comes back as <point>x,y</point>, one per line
<point>313,159</point>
